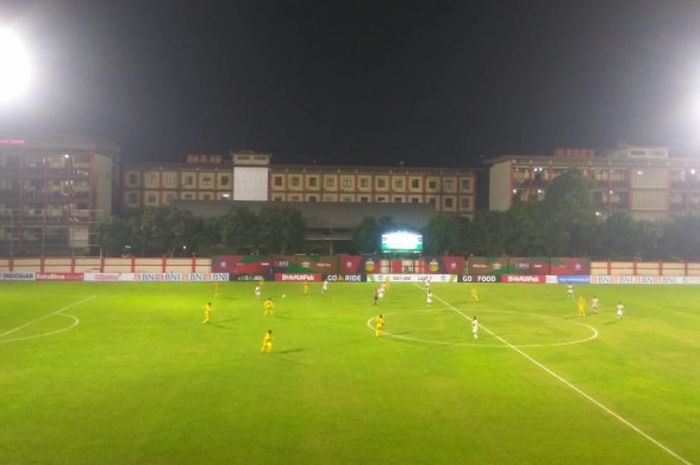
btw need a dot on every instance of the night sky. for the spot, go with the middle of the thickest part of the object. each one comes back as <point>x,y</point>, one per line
<point>360,81</point>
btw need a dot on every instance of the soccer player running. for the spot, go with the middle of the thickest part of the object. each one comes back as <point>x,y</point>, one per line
<point>474,294</point>
<point>581,306</point>
<point>258,291</point>
<point>594,304</point>
<point>429,298</point>
<point>306,288</point>
<point>379,325</point>
<point>207,313</point>
<point>619,310</point>
<point>475,328</point>
<point>570,291</point>
<point>217,290</point>
<point>267,342</point>
<point>376,296</point>
<point>268,307</point>
<point>324,287</point>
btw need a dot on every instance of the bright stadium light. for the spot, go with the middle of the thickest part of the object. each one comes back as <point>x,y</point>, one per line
<point>15,68</point>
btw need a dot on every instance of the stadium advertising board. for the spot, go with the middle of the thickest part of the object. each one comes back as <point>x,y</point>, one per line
<point>412,278</point>
<point>113,277</point>
<point>606,279</point>
<point>249,277</point>
<point>270,264</point>
<point>569,265</point>
<point>402,241</point>
<point>479,278</point>
<point>348,278</point>
<point>17,276</point>
<point>298,277</point>
<point>524,279</point>
<point>59,276</point>
<point>574,279</point>
<point>487,265</point>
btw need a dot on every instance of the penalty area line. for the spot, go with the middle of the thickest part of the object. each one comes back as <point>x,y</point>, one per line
<point>75,304</point>
<point>573,387</point>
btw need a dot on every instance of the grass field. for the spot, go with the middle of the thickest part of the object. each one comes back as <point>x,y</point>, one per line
<point>97,373</point>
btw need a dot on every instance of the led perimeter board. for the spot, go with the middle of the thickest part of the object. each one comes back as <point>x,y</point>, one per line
<point>402,241</point>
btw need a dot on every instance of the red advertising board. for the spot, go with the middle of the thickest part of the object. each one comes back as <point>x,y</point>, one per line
<point>298,277</point>
<point>59,276</point>
<point>353,264</point>
<point>523,279</point>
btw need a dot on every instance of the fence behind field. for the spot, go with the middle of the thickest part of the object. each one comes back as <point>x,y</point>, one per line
<point>107,265</point>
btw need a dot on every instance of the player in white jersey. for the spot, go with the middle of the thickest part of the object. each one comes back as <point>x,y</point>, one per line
<point>380,292</point>
<point>258,291</point>
<point>475,328</point>
<point>427,282</point>
<point>619,310</point>
<point>429,298</point>
<point>594,304</point>
<point>570,290</point>
<point>324,288</point>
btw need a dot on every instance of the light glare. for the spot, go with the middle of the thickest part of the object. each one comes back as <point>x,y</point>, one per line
<point>15,69</point>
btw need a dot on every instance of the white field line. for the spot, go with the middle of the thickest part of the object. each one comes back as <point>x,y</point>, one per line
<point>576,389</point>
<point>75,319</point>
<point>46,316</point>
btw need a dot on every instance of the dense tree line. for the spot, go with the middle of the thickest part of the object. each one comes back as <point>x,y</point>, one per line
<point>565,223</point>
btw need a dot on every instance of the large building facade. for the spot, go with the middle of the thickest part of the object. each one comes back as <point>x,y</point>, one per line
<point>251,177</point>
<point>644,181</point>
<point>52,193</point>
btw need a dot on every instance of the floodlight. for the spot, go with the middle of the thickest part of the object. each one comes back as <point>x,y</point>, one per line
<point>15,68</point>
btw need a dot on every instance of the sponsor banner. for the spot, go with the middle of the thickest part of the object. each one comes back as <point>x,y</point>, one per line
<point>296,277</point>
<point>528,265</point>
<point>105,277</point>
<point>569,265</point>
<point>523,279</point>
<point>17,276</point>
<point>552,279</point>
<point>441,265</point>
<point>59,276</point>
<point>412,278</point>
<point>487,265</point>
<point>606,279</point>
<point>348,278</point>
<point>249,277</point>
<point>574,279</point>
<point>479,278</point>
<point>270,264</point>
<point>354,264</point>
<point>172,277</point>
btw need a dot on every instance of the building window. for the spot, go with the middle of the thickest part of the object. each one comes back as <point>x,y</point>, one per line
<point>466,184</point>
<point>347,183</point>
<point>398,184</point>
<point>364,199</point>
<point>312,198</point>
<point>224,180</point>
<point>151,199</point>
<point>449,184</point>
<point>313,182</point>
<point>133,179</point>
<point>465,202</point>
<point>432,201</point>
<point>364,182</point>
<point>133,198</point>
<point>449,203</point>
<point>188,180</point>
<point>169,197</point>
<point>415,199</point>
<point>415,183</point>
<point>295,198</point>
<point>328,198</point>
<point>346,198</point>
<point>277,198</point>
<point>432,185</point>
<point>206,197</point>
<point>381,183</point>
<point>170,180</point>
<point>206,181</point>
<point>294,181</point>
<point>330,182</point>
<point>188,195</point>
<point>381,199</point>
<point>278,181</point>
<point>398,200</point>
<point>152,180</point>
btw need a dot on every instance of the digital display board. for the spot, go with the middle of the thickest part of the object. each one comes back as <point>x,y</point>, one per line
<point>402,241</point>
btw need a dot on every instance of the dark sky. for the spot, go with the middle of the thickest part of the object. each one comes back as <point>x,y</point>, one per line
<point>366,81</point>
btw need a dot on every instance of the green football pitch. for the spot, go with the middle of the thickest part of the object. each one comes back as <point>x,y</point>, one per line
<point>126,373</point>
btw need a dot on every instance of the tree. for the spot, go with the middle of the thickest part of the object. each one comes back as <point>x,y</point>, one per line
<point>113,235</point>
<point>364,236</point>
<point>281,229</point>
<point>490,233</point>
<point>239,230</point>
<point>620,236</point>
<point>165,230</point>
<point>446,234</point>
<point>681,238</point>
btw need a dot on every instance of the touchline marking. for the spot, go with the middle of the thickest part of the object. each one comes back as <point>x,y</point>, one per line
<point>76,322</point>
<point>574,388</point>
<point>47,316</point>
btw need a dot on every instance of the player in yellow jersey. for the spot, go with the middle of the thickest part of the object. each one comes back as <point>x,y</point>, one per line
<point>378,325</point>
<point>261,283</point>
<point>474,294</point>
<point>581,306</point>
<point>267,342</point>
<point>268,307</point>
<point>217,290</point>
<point>306,288</point>
<point>386,282</point>
<point>207,313</point>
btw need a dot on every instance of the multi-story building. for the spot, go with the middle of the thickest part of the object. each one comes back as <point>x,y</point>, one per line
<point>252,177</point>
<point>52,192</point>
<point>644,181</point>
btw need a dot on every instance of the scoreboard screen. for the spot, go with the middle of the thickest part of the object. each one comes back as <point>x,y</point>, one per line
<point>402,241</point>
